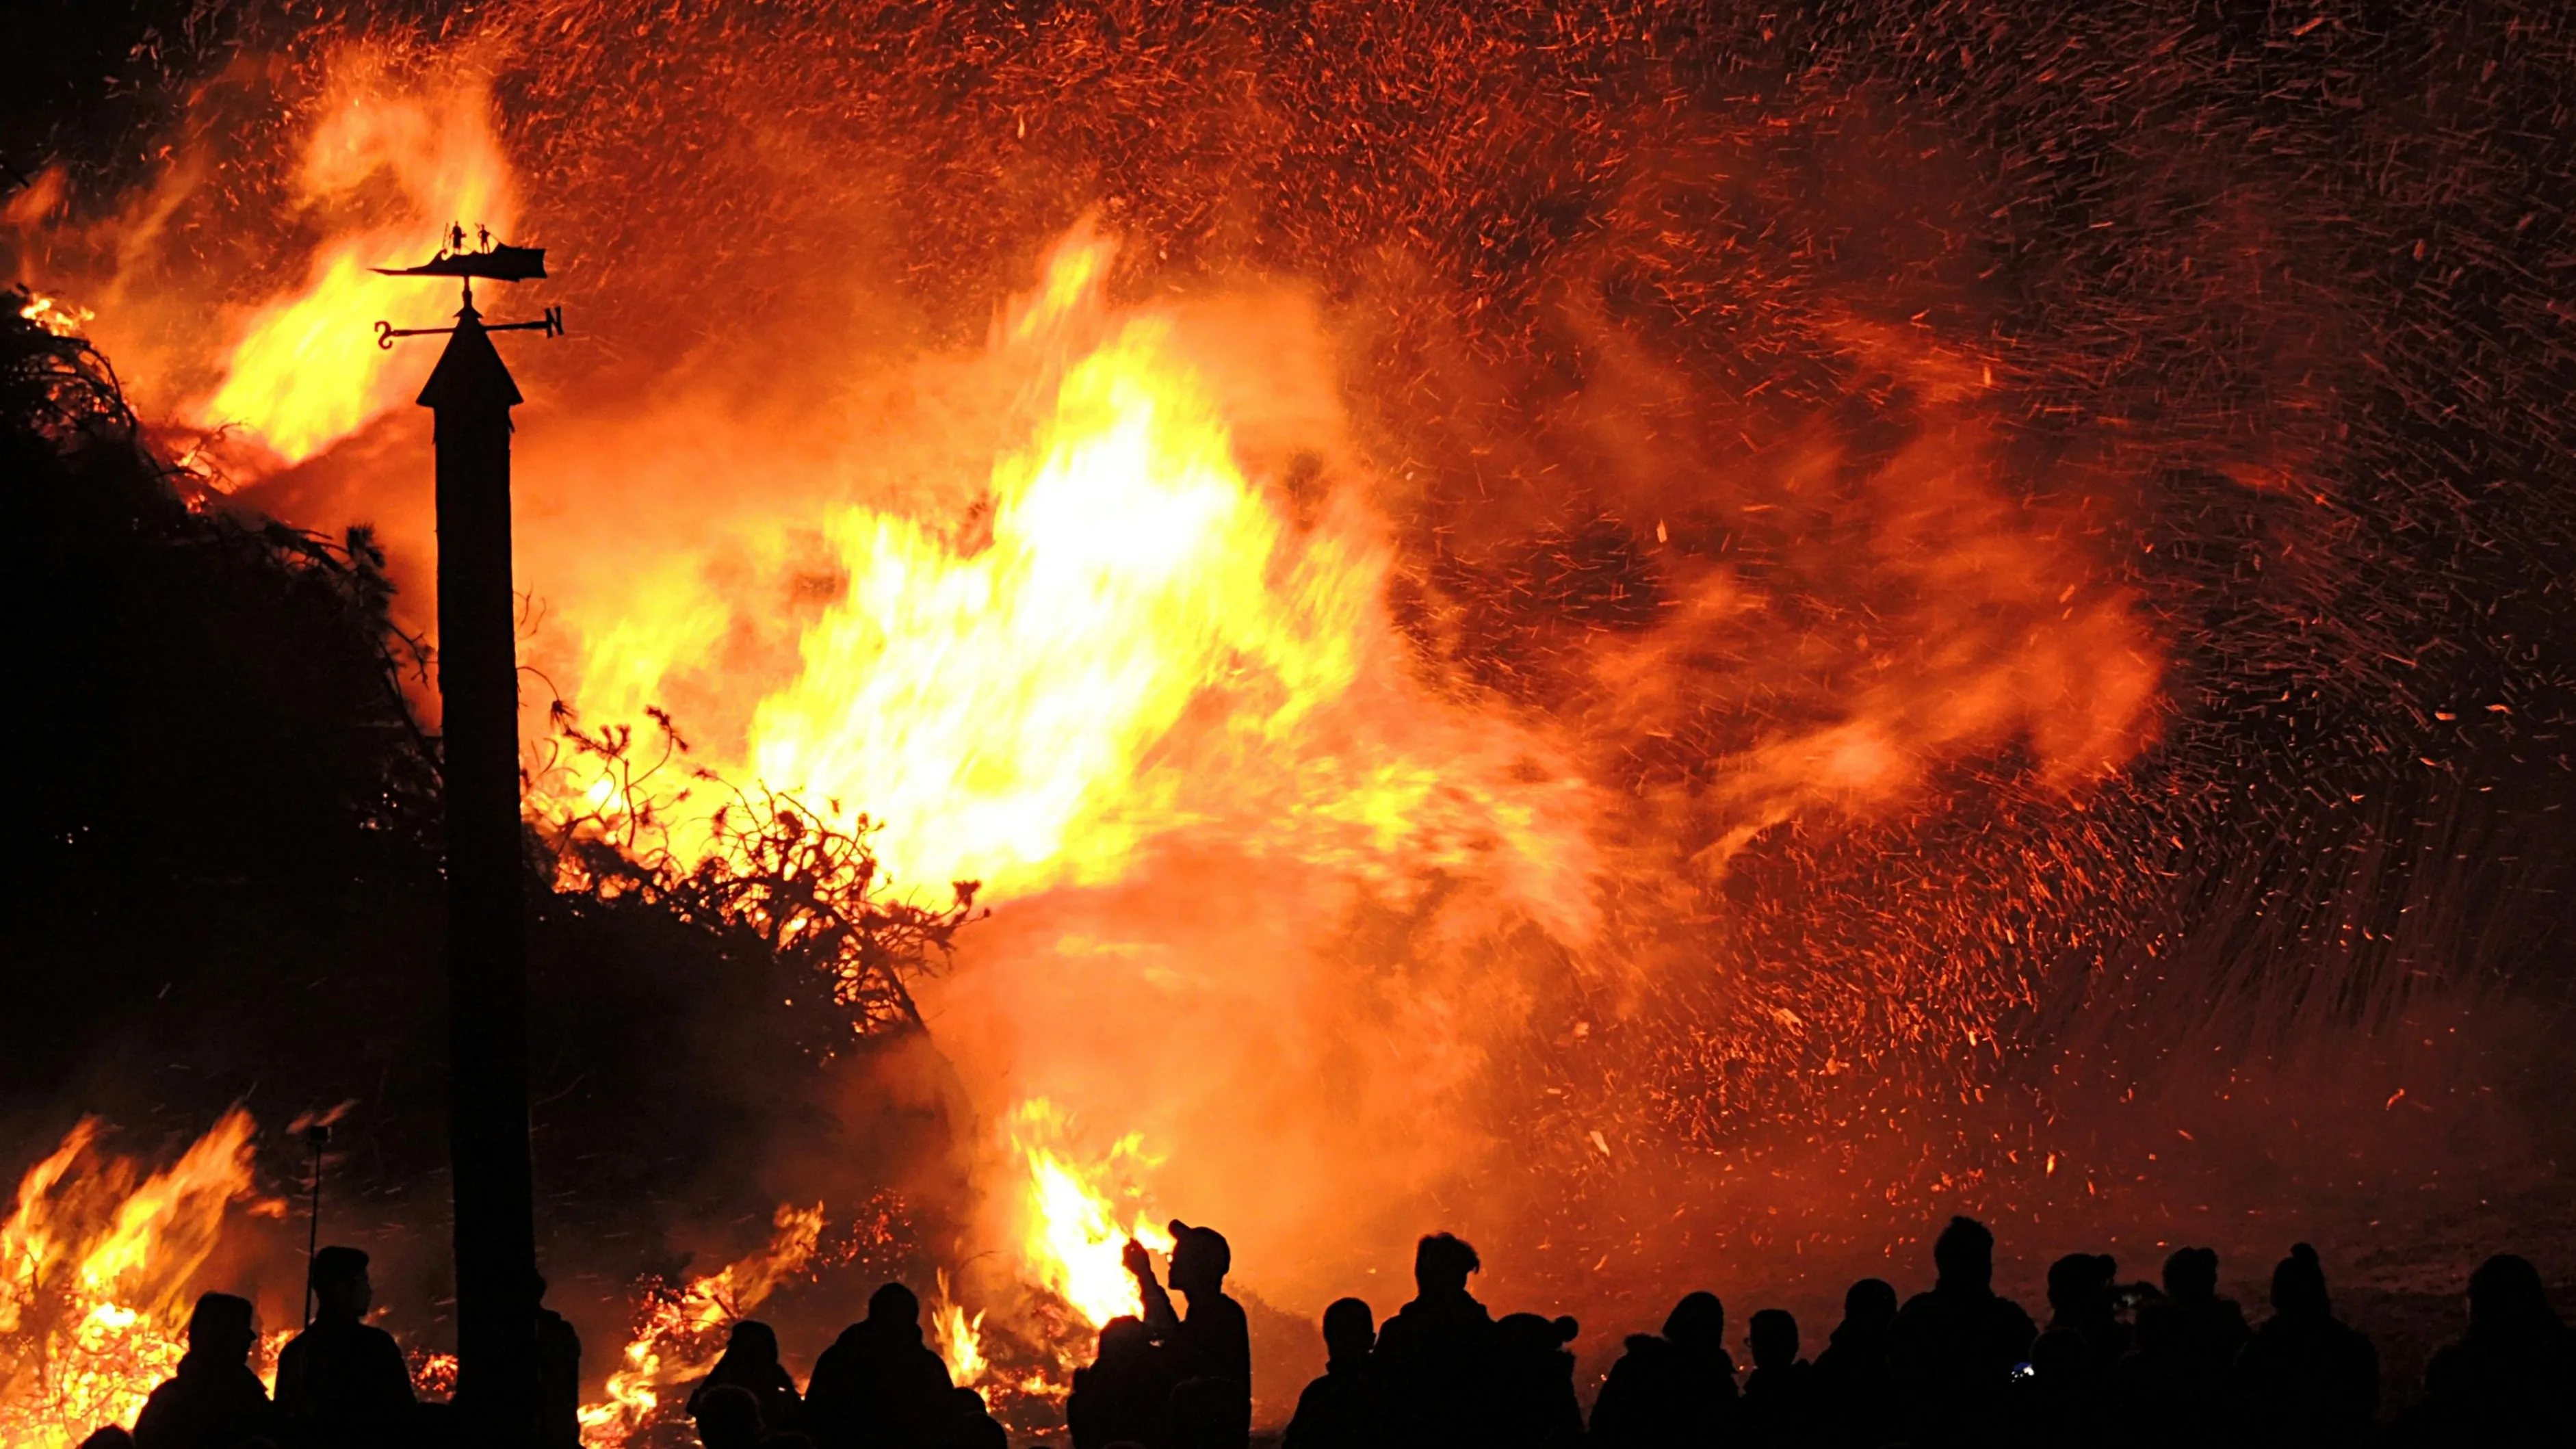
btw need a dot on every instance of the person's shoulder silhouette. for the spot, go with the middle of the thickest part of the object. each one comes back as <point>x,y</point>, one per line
<point>1780,1394</point>
<point>1345,1406</point>
<point>2305,1378</point>
<point>750,1363</point>
<point>878,1384</point>
<point>1532,1403</point>
<point>1124,1396</point>
<point>1677,1388</point>
<point>2511,1378</point>
<point>1955,1346</point>
<point>342,1383</point>
<point>213,1401</point>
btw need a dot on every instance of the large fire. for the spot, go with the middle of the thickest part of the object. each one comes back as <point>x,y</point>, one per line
<point>1112,616</point>
<point>99,1267</point>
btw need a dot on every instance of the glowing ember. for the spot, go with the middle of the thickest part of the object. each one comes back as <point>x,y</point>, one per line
<point>94,1305</point>
<point>1076,1234</point>
<point>679,1333</point>
<point>61,318</point>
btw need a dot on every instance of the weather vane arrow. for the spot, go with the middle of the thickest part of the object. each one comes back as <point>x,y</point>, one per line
<point>495,261</point>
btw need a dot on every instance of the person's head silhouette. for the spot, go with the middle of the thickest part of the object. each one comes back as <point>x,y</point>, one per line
<point>1870,1304</point>
<point>2191,1275</point>
<point>2299,1285</point>
<point>342,1292</point>
<point>1964,1255</point>
<point>1124,1340</point>
<point>753,1341</point>
<point>2079,1285</point>
<point>222,1329</point>
<point>1773,1336</point>
<point>1441,1263</point>
<point>894,1305</point>
<point>1697,1323</point>
<point>1200,1260</point>
<point>2506,1293</point>
<point>728,1417</point>
<point>1350,1331</point>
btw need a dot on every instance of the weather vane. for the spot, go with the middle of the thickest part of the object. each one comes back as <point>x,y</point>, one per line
<point>496,261</point>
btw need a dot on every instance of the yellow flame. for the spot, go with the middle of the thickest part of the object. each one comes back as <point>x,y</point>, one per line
<point>960,1339</point>
<point>93,1310</point>
<point>1129,638</point>
<point>677,1339</point>
<point>305,371</point>
<point>1076,1239</point>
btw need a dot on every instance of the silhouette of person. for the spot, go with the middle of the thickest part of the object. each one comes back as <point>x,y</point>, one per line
<point>2058,1404</point>
<point>1956,1346</point>
<point>2511,1379</point>
<point>343,1384</point>
<point>1780,1393</point>
<point>213,1401</point>
<point>2080,1301</point>
<point>727,1417</point>
<point>2306,1378</point>
<point>1213,1343</point>
<point>878,1386</point>
<point>1124,1396</point>
<point>558,1377</point>
<point>108,1436</point>
<point>1434,1353</point>
<point>750,1363</point>
<point>1345,1406</point>
<point>2212,1328</point>
<point>970,1425</point>
<point>1678,1389</point>
<point>1855,1381</point>
<point>1531,1400</point>
<point>2160,1391</point>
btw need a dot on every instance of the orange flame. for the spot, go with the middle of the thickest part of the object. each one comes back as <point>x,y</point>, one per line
<point>93,1309</point>
<point>1075,1239</point>
<point>676,1337</point>
<point>959,1338</point>
<point>305,370</point>
<point>1128,640</point>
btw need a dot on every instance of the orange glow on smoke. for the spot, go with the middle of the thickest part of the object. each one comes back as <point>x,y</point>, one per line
<point>95,1299</point>
<point>305,370</point>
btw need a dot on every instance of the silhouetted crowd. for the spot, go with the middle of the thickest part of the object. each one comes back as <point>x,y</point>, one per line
<point>2153,1366</point>
<point>2156,1366</point>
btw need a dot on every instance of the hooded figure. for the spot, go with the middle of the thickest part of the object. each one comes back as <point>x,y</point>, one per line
<point>878,1386</point>
<point>2511,1379</point>
<point>214,1401</point>
<point>750,1363</point>
<point>2306,1379</point>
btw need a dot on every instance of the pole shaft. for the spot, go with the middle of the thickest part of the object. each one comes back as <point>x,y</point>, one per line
<point>487,941</point>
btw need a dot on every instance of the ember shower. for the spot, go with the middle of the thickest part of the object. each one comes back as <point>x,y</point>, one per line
<point>1570,622</point>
